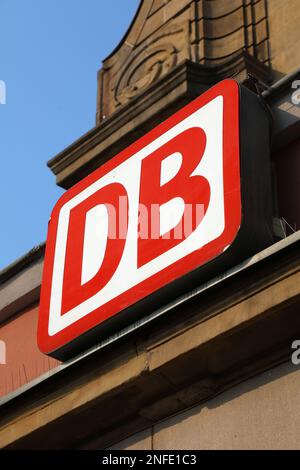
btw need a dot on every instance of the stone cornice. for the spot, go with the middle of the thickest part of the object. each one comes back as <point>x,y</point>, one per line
<point>144,111</point>
<point>20,283</point>
<point>233,331</point>
<point>22,263</point>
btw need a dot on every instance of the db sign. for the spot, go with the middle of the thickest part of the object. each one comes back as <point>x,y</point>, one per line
<point>181,203</point>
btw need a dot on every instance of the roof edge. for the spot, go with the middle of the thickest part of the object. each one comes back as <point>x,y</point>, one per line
<point>123,39</point>
<point>21,263</point>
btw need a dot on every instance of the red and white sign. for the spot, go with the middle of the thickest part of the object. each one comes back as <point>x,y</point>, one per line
<point>160,209</point>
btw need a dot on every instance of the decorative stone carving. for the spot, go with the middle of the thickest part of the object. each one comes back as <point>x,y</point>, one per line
<point>165,33</point>
<point>158,40</point>
<point>148,63</point>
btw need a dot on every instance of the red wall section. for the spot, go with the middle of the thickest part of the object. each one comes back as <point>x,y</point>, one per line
<point>24,361</point>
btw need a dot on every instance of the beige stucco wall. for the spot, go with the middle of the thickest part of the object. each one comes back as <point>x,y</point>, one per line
<point>261,413</point>
<point>284,21</point>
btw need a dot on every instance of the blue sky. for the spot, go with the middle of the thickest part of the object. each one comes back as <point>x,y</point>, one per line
<point>50,51</point>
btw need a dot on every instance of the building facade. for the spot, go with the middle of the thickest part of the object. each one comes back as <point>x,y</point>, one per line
<point>214,369</point>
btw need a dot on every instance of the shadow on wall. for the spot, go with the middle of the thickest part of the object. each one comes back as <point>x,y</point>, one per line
<point>260,413</point>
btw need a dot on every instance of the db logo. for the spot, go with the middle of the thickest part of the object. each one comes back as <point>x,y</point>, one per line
<point>126,236</point>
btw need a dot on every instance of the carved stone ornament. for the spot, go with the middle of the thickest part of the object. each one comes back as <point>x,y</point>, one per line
<point>156,62</point>
<point>165,33</point>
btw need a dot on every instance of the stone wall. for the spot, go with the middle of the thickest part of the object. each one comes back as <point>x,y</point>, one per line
<point>261,413</point>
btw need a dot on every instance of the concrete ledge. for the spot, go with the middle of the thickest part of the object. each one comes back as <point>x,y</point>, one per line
<point>198,350</point>
<point>147,109</point>
<point>20,283</point>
